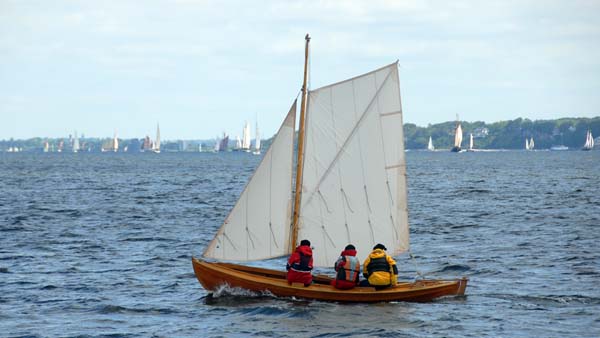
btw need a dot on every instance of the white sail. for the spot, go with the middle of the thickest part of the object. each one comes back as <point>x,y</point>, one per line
<point>458,136</point>
<point>430,145</point>
<point>531,144</point>
<point>589,141</point>
<point>115,143</point>
<point>75,143</point>
<point>471,142</point>
<point>238,142</point>
<point>526,144</point>
<point>246,136</point>
<point>354,177</point>
<point>157,142</point>
<point>258,226</point>
<point>257,141</point>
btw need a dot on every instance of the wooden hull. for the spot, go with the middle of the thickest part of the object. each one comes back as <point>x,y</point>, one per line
<point>213,275</point>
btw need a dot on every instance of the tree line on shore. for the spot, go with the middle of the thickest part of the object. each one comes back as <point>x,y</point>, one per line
<point>509,134</point>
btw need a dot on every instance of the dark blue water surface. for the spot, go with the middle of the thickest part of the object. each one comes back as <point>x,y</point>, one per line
<point>100,245</point>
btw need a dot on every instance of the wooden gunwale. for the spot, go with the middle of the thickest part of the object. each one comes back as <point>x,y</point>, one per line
<point>212,275</point>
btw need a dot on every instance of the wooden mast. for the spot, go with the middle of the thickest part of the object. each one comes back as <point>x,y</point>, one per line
<point>300,161</point>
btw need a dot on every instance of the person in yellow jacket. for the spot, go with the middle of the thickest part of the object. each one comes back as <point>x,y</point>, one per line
<point>379,269</point>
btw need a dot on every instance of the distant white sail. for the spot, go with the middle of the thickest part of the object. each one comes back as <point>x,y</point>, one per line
<point>238,142</point>
<point>354,177</point>
<point>246,137</point>
<point>430,144</point>
<point>526,144</point>
<point>75,143</point>
<point>589,141</point>
<point>458,137</point>
<point>471,142</point>
<point>115,145</point>
<point>258,225</point>
<point>156,147</point>
<point>257,141</point>
<point>531,144</point>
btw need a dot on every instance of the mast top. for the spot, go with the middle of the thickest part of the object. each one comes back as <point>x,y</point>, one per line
<point>307,37</point>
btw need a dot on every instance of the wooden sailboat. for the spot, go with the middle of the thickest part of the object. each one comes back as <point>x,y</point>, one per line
<point>457,137</point>
<point>350,187</point>
<point>589,141</point>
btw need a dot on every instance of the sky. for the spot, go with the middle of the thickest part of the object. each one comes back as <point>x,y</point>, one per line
<point>203,67</point>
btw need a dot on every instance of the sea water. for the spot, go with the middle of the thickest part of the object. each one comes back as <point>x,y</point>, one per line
<point>100,245</point>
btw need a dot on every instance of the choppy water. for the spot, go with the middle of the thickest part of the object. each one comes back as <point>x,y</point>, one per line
<point>100,245</point>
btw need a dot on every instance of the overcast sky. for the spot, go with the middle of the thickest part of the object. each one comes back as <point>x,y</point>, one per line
<point>203,67</point>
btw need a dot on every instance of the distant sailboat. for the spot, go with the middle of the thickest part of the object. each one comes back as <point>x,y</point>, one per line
<point>471,143</point>
<point>527,144</point>
<point>589,141</point>
<point>238,143</point>
<point>246,137</point>
<point>457,137</point>
<point>257,142</point>
<point>156,147</point>
<point>75,143</point>
<point>217,145</point>
<point>224,144</point>
<point>115,145</point>
<point>430,146</point>
<point>531,143</point>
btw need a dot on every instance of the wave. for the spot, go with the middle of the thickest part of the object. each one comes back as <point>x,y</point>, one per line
<point>454,268</point>
<point>109,309</point>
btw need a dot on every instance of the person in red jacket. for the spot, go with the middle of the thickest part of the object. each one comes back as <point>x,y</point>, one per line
<point>300,264</point>
<point>347,267</point>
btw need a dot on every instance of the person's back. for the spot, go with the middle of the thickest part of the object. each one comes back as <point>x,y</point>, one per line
<point>300,264</point>
<point>347,267</point>
<point>380,269</point>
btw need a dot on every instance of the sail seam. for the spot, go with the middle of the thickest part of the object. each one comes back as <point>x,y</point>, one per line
<point>391,113</point>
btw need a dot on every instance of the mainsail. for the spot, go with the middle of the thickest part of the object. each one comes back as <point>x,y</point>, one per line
<point>246,137</point>
<point>430,144</point>
<point>589,141</point>
<point>115,143</point>
<point>354,177</point>
<point>157,142</point>
<point>531,144</point>
<point>471,141</point>
<point>458,136</point>
<point>257,141</point>
<point>75,143</point>
<point>258,225</point>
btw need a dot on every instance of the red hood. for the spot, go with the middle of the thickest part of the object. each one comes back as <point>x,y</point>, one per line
<point>305,250</point>
<point>348,253</point>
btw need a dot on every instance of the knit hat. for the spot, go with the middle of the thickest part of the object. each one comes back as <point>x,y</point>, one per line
<point>305,242</point>
<point>379,246</point>
<point>349,247</point>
